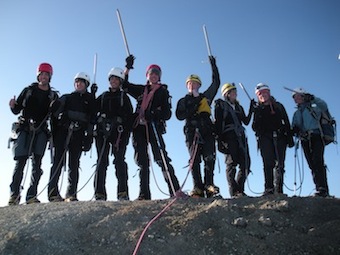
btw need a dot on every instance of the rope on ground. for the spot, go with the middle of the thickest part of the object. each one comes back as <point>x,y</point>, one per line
<point>178,194</point>
<point>149,224</point>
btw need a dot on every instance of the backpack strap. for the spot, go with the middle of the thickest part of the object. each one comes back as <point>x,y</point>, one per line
<point>52,95</point>
<point>29,93</point>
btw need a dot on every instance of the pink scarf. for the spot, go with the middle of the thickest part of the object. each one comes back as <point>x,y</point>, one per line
<point>147,98</point>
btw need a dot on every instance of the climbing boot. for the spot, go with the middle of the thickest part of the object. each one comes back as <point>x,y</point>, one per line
<point>14,200</point>
<point>71,199</point>
<point>197,193</point>
<point>55,199</point>
<point>33,200</point>
<point>123,196</point>
<point>213,191</point>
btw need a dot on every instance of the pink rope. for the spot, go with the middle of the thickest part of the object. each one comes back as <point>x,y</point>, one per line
<point>149,224</point>
<point>193,152</point>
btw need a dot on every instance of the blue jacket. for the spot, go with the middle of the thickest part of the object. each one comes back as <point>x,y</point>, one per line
<point>307,116</point>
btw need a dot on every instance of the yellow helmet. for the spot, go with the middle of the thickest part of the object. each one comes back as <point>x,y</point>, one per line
<point>194,77</point>
<point>227,87</point>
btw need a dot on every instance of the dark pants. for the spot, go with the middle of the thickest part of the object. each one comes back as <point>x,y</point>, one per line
<point>141,136</point>
<point>73,146</point>
<point>104,146</point>
<point>206,151</point>
<point>273,152</point>
<point>28,143</point>
<point>314,152</point>
<point>18,175</point>
<point>238,155</point>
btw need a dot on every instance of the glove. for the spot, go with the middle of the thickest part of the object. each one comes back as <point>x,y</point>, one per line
<point>290,141</point>
<point>222,147</point>
<point>157,114</point>
<point>192,102</point>
<point>295,130</point>
<point>153,115</point>
<point>94,88</point>
<point>129,61</point>
<point>308,97</point>
<point>252,105</point>
<point>148,116</point>
<point>87,142</point>
<point>212,60</point>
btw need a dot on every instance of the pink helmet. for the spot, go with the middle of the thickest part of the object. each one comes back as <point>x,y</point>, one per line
<point>154,68</point>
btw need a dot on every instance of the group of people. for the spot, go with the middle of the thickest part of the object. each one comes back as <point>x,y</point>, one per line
<point>274,134</point>
<point>78,118</point>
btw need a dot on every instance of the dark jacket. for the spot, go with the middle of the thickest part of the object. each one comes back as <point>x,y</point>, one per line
<point>270,118</point>
<point>75,107</point>
<point>33,104</point>
<point>196,110</point>
<point>228,121</point>
<point>159,109</point>
<point>115,107</point>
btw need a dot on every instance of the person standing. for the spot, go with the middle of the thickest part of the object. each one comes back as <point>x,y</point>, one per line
<point>273,131</point>
<point>33,103</point>
<point>153,109</point>
<point>195,109</point>
<point>231,137</point>
<point>306,126</point>
<point>74,116</point>
<point>114,111</point>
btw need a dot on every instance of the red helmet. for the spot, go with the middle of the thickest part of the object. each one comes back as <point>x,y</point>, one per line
<point>154,68</point>
<point>45,67</point>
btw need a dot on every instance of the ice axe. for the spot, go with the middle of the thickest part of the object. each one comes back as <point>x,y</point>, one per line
<point>94,68</point>
<point>207,40</point>
<point>94,86</point>
<point>297,91</point>
<point>291,90</point>
<point>244,89</point>
<point>161,150</point>
<point>123,32</point>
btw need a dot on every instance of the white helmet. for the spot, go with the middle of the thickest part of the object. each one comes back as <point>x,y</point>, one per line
<point>261,86</point>
<point>116,71</point>
<point>83,76</point>
<point>298,91</point>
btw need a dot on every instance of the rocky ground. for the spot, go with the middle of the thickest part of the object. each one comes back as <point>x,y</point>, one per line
<point>258,225</point>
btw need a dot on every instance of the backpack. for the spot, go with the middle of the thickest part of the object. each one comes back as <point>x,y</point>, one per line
<point>328,128</point>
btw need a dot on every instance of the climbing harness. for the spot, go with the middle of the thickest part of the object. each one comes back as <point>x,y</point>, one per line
<point>120,130</point>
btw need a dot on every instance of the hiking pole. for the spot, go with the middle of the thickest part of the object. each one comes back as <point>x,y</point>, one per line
<point>95,68</point>
<point>244,89</point>
<point>163,156</point>
<point>295,163</point>
<point>193,151</point>
<point>99,160</point>
<point>94,86</point>
<point>206,39</point>
<point>123,33</point>
<point>51,149</point>
<point>291,90</point>
<point>61,162</point>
